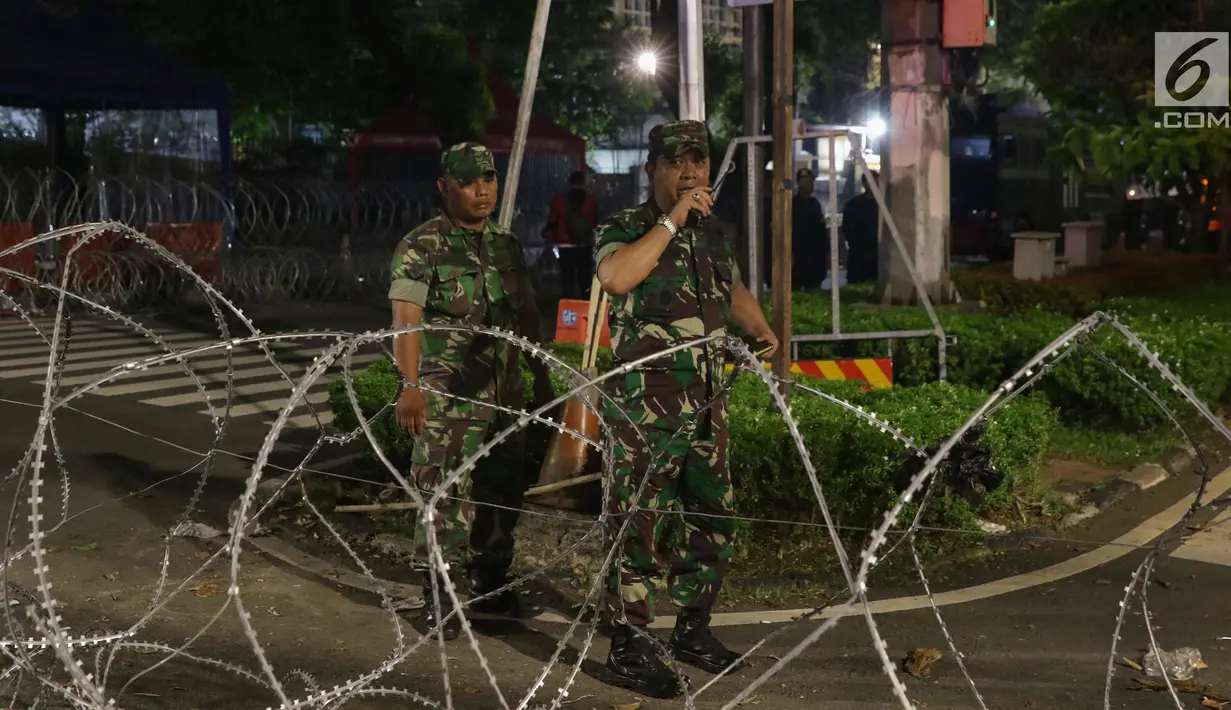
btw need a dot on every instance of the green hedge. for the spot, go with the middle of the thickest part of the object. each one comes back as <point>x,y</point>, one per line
<point>1192,334</point>
<point>856,463</point>
<point>1131,274</point>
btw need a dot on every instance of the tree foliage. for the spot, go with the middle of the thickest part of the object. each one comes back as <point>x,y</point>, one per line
<point>1094,62</point>
<point>587,81</point>
<point>833,47</point>
<point>336,64</point>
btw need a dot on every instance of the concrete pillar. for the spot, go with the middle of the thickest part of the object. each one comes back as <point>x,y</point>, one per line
<point>1083,243</point>
<point>1034,255</point>
<point>918,137</point>
<point>692,63</point>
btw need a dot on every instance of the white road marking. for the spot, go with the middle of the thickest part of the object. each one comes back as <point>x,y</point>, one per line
<point>95,351</point>
<point>104,344</point>
<point>1128,543</point>
<point>1211,544</point>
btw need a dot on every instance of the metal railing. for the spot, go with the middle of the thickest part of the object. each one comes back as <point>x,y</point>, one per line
<point>854,135</point>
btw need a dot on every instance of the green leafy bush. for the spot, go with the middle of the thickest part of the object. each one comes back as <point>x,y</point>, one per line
<point>1004,295</point>
<point>1078,293</point>
<point>855,462</point>
<point>375,387</point>
<point>990,348</point>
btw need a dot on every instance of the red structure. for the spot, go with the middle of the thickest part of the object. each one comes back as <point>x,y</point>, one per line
<point>410,129</point>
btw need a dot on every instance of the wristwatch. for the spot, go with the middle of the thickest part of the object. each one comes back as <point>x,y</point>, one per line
<point>666,222</point>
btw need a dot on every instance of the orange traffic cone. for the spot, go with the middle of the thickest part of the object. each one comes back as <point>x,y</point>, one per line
<point>569,457</point>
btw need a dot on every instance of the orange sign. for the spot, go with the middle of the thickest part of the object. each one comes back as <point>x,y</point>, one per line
<point>572,321</point>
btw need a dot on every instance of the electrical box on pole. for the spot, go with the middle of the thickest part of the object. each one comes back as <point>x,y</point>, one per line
<point>969,23</point>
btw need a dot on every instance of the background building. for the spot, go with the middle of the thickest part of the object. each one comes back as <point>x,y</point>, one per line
<point>718,18</point>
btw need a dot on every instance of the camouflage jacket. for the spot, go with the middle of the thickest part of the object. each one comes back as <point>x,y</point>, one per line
<point>463,277</point>
<point>686,296</point>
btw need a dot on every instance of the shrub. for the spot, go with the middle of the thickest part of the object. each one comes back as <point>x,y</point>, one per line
<point>855,462</point>
<point>375,388</point>
<point>1089,391</point>
<point>1004,295</point>
<point>990,348</point>
<point>1080,292</point>
<point>1209,303</point>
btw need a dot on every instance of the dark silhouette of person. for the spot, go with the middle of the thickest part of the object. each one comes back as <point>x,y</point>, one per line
<point>570,227</point>
<point>809,235</point>
<point>860,220</point>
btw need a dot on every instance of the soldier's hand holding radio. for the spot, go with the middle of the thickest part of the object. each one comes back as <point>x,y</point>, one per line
<point>695,199</point>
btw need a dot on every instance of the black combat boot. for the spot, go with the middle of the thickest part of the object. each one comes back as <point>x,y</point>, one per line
<point>693,643</point>
<point>432,616</point>
<point>507,603</point>
<point>636,667</point>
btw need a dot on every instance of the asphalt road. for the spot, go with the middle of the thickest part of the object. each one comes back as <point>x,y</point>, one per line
<point>131,471</point>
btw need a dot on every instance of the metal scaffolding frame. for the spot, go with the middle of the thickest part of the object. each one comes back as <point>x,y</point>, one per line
<point>855,135</point>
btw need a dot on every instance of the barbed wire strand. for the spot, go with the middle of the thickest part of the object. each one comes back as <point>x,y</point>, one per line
<point>79,289</point>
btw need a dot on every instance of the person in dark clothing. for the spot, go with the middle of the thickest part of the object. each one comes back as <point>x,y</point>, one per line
<point>860,221</point>
<point>809,235</point>
<point>570,227</point>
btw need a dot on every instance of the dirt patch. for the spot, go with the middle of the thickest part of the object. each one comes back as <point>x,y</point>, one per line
<point>1066,475</point>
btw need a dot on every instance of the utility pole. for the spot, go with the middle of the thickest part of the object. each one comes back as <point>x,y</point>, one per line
<point>692,62</point>
<point>885,248</point>
<point>524,107</point>
<point>918,137</point>
<point>784,153</point>
<point>754,124</point>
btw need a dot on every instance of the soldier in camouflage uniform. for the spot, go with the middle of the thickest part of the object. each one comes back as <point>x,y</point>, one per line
<point>672,277</point>
<point>461,268</point>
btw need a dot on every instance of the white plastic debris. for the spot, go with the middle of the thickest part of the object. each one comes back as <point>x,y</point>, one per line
<point>990,528</point>
<point>410,604</point>
<point>200,531</point>
<point>1180,664</point>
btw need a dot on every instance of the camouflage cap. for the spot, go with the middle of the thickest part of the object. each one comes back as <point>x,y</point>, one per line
<point>467,161</point>
<point>673,139</point>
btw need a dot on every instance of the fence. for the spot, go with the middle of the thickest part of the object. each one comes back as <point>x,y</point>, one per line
<point>853,136</point>
<point>258,240</point>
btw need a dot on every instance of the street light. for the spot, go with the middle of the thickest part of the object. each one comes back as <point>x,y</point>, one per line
<point>876,128</point>
<point>647,62</point>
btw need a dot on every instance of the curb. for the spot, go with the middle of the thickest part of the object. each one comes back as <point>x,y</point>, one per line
<point>1176,461</point>
<point>1120,547</point>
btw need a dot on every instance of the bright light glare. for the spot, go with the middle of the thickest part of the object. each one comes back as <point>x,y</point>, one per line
<point>647,63</point>
<point>876,127</point>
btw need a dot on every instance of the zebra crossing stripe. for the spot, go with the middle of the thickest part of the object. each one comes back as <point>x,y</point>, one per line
<point>74,345</point>
<point>276,383</point>
<point>275,406</point>
<point>199,366</point>
<point>97,348</point>
<point>78,361</point>
<point>307,421</point>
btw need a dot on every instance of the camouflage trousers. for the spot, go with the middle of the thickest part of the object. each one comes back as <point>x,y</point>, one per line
<point>474,523</point>
<point>672,531</point>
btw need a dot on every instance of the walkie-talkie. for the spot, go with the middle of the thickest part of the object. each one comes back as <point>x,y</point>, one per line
<point>694,216</point>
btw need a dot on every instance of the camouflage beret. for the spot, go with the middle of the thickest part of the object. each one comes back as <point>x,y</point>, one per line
<point>467,161</point>
<point>673,139</point>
